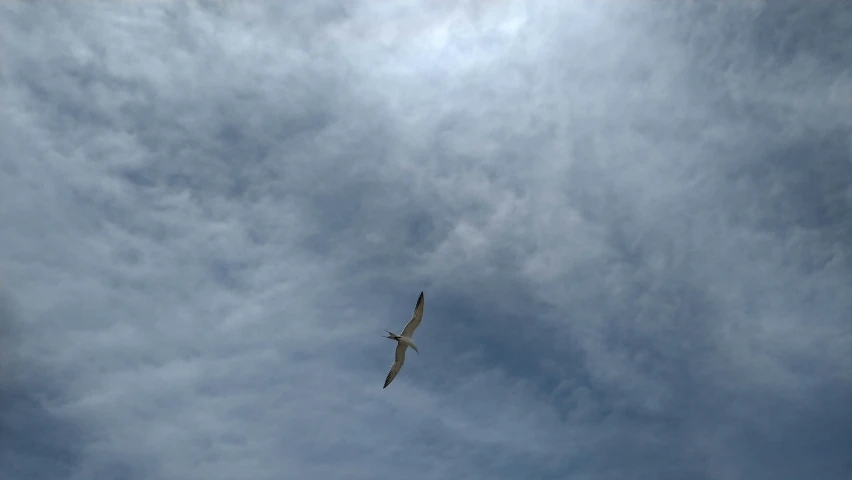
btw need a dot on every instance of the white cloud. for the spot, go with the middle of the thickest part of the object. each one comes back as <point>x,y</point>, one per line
<point>210,209</point>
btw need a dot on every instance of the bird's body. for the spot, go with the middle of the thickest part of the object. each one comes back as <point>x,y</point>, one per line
<point>404,341</point>
<point>407,341</point>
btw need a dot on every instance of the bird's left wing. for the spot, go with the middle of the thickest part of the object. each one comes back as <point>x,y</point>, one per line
<point>399,359</point>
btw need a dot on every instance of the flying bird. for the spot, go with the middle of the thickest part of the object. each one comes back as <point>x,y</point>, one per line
<point>404,341</point>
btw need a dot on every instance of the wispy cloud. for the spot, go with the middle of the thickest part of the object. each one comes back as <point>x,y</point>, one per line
<point>631,222</point>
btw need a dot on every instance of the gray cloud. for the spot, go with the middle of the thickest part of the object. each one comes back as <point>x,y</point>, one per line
<point>631,223</point>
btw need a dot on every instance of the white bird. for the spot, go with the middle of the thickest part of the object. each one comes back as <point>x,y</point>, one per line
<point>404,341</point>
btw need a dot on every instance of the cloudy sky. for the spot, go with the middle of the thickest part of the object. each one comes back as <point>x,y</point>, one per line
<point>632,223</point>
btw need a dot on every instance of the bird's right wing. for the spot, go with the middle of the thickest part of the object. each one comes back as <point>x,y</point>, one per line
<point>399,359</point>
<point>408,331</point>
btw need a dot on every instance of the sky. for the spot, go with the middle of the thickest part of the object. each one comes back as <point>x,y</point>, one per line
<point>632,222</point>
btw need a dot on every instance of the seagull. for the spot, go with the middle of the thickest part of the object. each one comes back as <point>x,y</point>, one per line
<point>404,341</point>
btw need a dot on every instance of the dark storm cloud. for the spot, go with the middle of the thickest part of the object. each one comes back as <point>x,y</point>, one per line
<point>631,221</point>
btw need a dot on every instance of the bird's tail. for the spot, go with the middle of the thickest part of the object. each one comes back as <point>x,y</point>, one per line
<point>392,336</point>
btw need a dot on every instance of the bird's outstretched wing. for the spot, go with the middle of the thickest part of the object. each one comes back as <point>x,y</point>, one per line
<point>408,331</point>
<point>399,359</point>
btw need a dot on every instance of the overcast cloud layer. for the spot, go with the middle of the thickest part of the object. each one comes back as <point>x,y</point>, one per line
<point>632,223</point>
